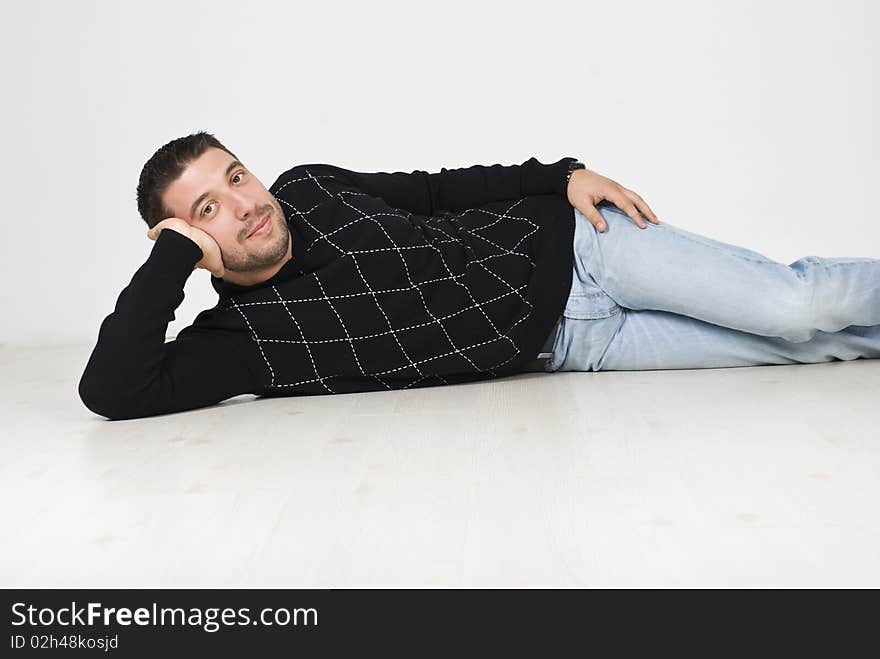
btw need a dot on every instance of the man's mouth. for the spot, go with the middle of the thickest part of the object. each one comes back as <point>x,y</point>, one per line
<point>263,223</point>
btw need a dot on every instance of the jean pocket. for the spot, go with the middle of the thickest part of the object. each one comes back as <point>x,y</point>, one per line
<point>590,305</point>
<point>586,300</point>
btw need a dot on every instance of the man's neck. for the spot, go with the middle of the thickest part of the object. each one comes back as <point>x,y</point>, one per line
<point>259,276</point>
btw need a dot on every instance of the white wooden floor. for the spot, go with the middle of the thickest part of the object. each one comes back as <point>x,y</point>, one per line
<point>762,476</point>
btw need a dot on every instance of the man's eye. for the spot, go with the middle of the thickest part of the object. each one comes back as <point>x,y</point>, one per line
<point>233,178</point>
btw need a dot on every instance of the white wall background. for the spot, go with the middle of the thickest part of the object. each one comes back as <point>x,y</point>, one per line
<point>752,122</point>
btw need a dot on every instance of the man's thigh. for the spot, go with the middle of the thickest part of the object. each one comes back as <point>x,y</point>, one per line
<point>665,268</point>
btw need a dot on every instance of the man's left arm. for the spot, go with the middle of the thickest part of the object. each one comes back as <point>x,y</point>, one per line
<point>455,189</point>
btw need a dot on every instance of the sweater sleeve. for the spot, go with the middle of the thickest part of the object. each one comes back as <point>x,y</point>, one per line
<point>133,372</point>
<point>454,189</point>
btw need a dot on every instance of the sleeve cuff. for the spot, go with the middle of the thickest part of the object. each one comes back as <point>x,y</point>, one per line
<point>175,255</point>
<point>545,179</point>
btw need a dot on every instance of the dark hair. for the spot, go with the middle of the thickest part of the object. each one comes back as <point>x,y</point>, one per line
<point>164,167</point>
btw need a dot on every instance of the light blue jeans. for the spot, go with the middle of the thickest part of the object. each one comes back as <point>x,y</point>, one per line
<point>666,298</point>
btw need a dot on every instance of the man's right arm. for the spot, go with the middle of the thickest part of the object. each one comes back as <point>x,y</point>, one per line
<point>133,372</point>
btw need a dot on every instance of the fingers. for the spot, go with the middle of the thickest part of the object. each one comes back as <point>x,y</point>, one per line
<point>153,233</point>
<point>594,216</point>
<point>641,205</point>
<point>624,203</point>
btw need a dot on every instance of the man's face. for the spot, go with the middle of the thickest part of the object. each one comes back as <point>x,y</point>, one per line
<point>220,196</point>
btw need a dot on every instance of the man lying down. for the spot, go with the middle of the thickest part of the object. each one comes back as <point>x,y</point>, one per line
<point>334,281</point>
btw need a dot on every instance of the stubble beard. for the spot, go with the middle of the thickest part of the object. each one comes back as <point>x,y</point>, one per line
<point>271,253</point>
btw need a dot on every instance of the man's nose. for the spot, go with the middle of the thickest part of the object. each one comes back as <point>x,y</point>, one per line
<point>245,208</point>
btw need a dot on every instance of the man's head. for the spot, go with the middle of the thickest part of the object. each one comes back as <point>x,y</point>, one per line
<point>199,180</point>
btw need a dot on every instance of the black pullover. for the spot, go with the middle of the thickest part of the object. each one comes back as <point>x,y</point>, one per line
<point>396,280</point>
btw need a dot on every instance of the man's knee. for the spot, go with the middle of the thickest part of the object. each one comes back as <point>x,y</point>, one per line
<point>796,320</point>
